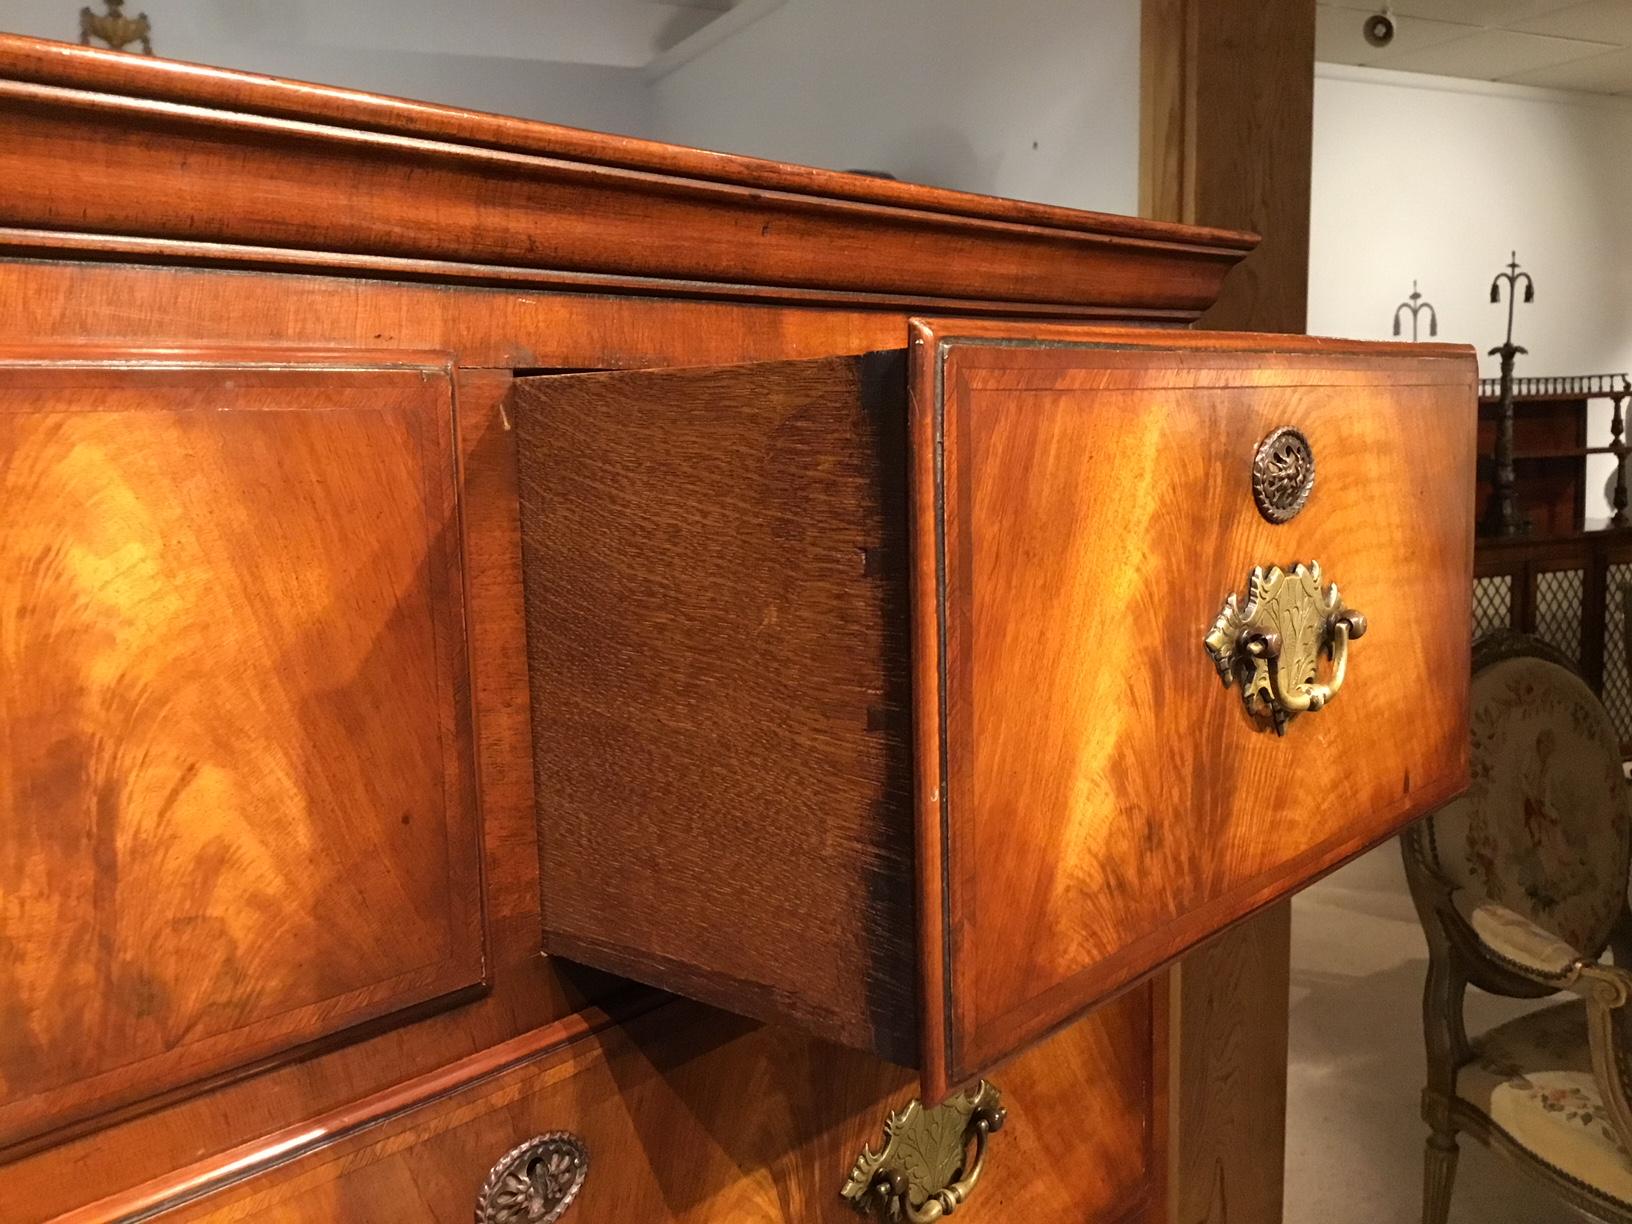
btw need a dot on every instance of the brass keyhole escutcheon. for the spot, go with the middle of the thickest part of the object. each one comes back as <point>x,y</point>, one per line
<point>1272,643</point>
<point>534,1182</point>
<point>1283,474</point>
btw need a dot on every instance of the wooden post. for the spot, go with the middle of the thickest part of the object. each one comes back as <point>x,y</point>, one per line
<point>1227,119</point>
<point>1227,113</point>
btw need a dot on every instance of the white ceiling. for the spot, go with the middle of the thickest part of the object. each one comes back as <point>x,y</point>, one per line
<point>1582,45</point>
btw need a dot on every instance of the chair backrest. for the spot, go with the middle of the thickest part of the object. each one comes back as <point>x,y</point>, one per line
<point>1543,829</point>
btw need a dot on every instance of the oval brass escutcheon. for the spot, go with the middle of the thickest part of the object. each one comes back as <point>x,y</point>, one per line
<point>534,1182</point>
<point>1272,643</point>
<point>1283,474</point>
<point>925,1170</point>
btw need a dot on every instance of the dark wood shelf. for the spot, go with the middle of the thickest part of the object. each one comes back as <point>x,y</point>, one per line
<point>1562,452</point>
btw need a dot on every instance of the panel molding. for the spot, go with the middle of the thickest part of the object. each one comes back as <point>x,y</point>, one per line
<point>144,773</point>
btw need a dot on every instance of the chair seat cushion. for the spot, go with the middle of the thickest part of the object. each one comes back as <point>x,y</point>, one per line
<point>1533,1078</point>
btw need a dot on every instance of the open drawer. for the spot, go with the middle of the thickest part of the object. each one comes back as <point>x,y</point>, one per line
<point>881,695</point>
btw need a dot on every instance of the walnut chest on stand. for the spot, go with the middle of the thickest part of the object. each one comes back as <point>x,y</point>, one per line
<point>561,677</point>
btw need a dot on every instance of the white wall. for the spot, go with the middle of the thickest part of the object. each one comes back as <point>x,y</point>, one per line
<point>417,49</point>
<point>1439,179</point>
<point>1037,99</point>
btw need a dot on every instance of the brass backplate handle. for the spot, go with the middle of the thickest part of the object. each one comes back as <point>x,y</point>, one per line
<point>1272,642</point>
<point>925,1169</point>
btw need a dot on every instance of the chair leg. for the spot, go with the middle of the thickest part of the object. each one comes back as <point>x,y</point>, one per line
<point>1438,1176</point>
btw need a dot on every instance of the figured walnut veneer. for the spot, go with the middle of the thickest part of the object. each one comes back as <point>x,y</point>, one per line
<point>243,588</point>
<point>1092,802</point>
<point>693,1117</point>
<point>865,682</point>
<point>235,774</point>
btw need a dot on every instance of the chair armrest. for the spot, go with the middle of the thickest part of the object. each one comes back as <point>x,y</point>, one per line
<point>1517,942</point>
<point>1542,957</point>
<point>1606,988</point>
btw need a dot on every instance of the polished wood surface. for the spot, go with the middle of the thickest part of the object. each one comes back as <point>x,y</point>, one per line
<point>716,604</point>
<point>265,1154</point>
<point>228,210</point>
<point>419,190</point>
<point>693,1117</point>
<point>1227,96</point>
<point>486,328</point>
<point>1549,451</point>
<point>718,615</point>
<point>45,62</point>
<point>196,671</point>
<point>1082,506</point>
<point>1226,138</point>
<point>163,1145</point>
<point>149,306</point>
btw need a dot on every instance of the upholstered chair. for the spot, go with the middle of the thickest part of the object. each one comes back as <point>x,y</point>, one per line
<point>1522,886</point>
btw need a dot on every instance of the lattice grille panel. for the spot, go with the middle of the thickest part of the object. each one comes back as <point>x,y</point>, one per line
<point>1558,610</point>
<point>1492,604</point>
<point>1617,681</point>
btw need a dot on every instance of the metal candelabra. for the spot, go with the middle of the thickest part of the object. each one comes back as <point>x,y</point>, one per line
<point>1416,304</point>
<point>1504,515</point>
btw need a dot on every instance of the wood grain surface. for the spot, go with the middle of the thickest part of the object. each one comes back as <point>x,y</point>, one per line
<point>716,624</point>
<point>1106,803</point>
<point>1226,125</point>
<point>226,209</point>
<point>143,308</point>
<point>488,328</point>
<point>1227,94</point>
<point>1228,1069</point>
<point>692,1117</point>
<point>46,62</point>
<point>429,194</point>
<point>233,636</point>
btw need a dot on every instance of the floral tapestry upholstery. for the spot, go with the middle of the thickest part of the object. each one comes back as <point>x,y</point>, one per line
<point>1542,830</point>
<point>1533,1078</point>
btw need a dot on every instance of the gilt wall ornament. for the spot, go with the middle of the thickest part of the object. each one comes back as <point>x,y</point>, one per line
<point>534,1182</point>
<point>115,29</point>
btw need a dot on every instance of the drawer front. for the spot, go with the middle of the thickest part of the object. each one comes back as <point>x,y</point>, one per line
<point>689,1117</point>
<point>237,798</point>
<point>1092,800</point>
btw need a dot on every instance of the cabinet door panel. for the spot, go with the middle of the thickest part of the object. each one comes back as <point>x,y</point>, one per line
<point>237,806</point>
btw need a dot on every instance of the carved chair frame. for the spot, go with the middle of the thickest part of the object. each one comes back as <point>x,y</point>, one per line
<point>1458,958</point>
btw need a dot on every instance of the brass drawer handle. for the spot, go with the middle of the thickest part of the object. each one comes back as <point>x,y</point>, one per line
<point>534,1182</point>
<point>1271,645</point>
<point>924,1170</point>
